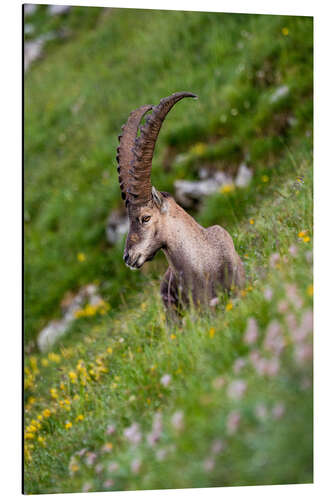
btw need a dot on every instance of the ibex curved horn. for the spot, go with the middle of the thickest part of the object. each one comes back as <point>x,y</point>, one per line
<point>135,154</point>
<point>125,155</point>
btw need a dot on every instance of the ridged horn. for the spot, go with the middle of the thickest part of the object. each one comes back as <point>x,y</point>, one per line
<point>137,183</point>
<point>125,155</point>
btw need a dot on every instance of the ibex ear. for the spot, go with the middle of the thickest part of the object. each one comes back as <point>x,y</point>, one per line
<point>158,200</point>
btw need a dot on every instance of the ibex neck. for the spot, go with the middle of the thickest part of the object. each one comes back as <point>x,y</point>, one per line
<point>183,242</point>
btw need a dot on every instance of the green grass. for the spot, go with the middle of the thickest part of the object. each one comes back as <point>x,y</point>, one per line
<point>78,96</point>
<point>125,386</point>
<point>108,368</point>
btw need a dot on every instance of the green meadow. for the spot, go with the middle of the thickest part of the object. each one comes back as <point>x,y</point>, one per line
<point>127,400</point>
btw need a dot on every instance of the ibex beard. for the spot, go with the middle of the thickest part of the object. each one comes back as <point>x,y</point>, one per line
<point>202,261</point>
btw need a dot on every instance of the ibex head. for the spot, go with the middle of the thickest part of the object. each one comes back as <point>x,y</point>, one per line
<point>147,208</point>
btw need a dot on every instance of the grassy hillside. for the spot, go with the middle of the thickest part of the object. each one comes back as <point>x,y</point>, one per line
<point>126,401</point>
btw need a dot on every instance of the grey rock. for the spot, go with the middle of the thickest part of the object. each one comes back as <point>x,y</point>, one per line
<point>56,10</point>
<point>34,49</point>
<point>29,29</point>
<point>56,329</point>
<point>244,176</point>
<point>187,193</point>
<point>29,9</point>
<point>279,93</point>
<point>117,225</point>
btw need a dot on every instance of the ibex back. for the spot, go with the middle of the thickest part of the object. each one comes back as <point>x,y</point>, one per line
<point>202,261</point>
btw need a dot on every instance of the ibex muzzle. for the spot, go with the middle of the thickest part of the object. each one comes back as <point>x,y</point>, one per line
<point>201,261</point>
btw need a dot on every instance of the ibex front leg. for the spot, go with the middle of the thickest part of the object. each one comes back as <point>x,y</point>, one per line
<point>169,291</point>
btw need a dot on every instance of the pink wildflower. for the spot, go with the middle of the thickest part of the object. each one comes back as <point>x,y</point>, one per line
<point>136,465</point>
<point>278,410</point>
<point>303,353</point>
<point>268,293</point>
<point>293,296</point>
<point>113,466</point>
<point>165,380</point>
<point>108,483</point>
<point>233,421</point>
<point>282,306</point>
<point>293,250</point>
<point>133,433</point>
<point>110,429</point>
<point>237,389</point>
<point>90,458</point>
<point>251,333</point>
<point>274,259</point>
<point>272,367</point>
<point>274,340</point>
<point>156,432</point>
<point>217,446</point>
<point>177,420</point>
<point>238,365</point>
<point>99,468</point>
<point>209,464</point>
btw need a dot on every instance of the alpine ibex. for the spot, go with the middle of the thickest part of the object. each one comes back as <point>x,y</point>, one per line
<point>201,261</point>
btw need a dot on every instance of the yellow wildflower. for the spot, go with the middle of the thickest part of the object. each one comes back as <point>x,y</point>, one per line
<point>54,393</point>
<point>54,357</point>
<point>79,418</point>
<point>198,149</point>
<point>73,377</point>
<point>227,188</point>
<point>251,221</point>
<point>109,350</point>
<point>46,413</point>
<point>309,290</point>
<point>81,257</point>
<point>243,293</point>
<point>228,307</point>
<point>264,178</point>
<point>172,336</point>
<point>45,362</point>
<point>301,234</point>
<point>68,425</point>
<point>211,332</point>
<point>285,31</point>
<point>74,467</point>
<point>306,239</point>
<point>41,440</point>
<point>107,446</point>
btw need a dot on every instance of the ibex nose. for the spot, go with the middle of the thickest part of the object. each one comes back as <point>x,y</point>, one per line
<point>126,256</point>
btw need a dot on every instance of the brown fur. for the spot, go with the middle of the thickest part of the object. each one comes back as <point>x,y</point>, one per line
<point>202,261</point>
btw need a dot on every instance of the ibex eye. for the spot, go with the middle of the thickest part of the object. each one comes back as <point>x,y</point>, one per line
<point>146,218</point>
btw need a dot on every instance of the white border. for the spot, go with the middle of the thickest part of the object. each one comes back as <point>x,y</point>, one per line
<point>10,260</point>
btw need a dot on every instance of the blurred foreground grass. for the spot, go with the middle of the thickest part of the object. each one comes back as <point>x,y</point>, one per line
<point>126,401</point>
<point>225,398</point>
